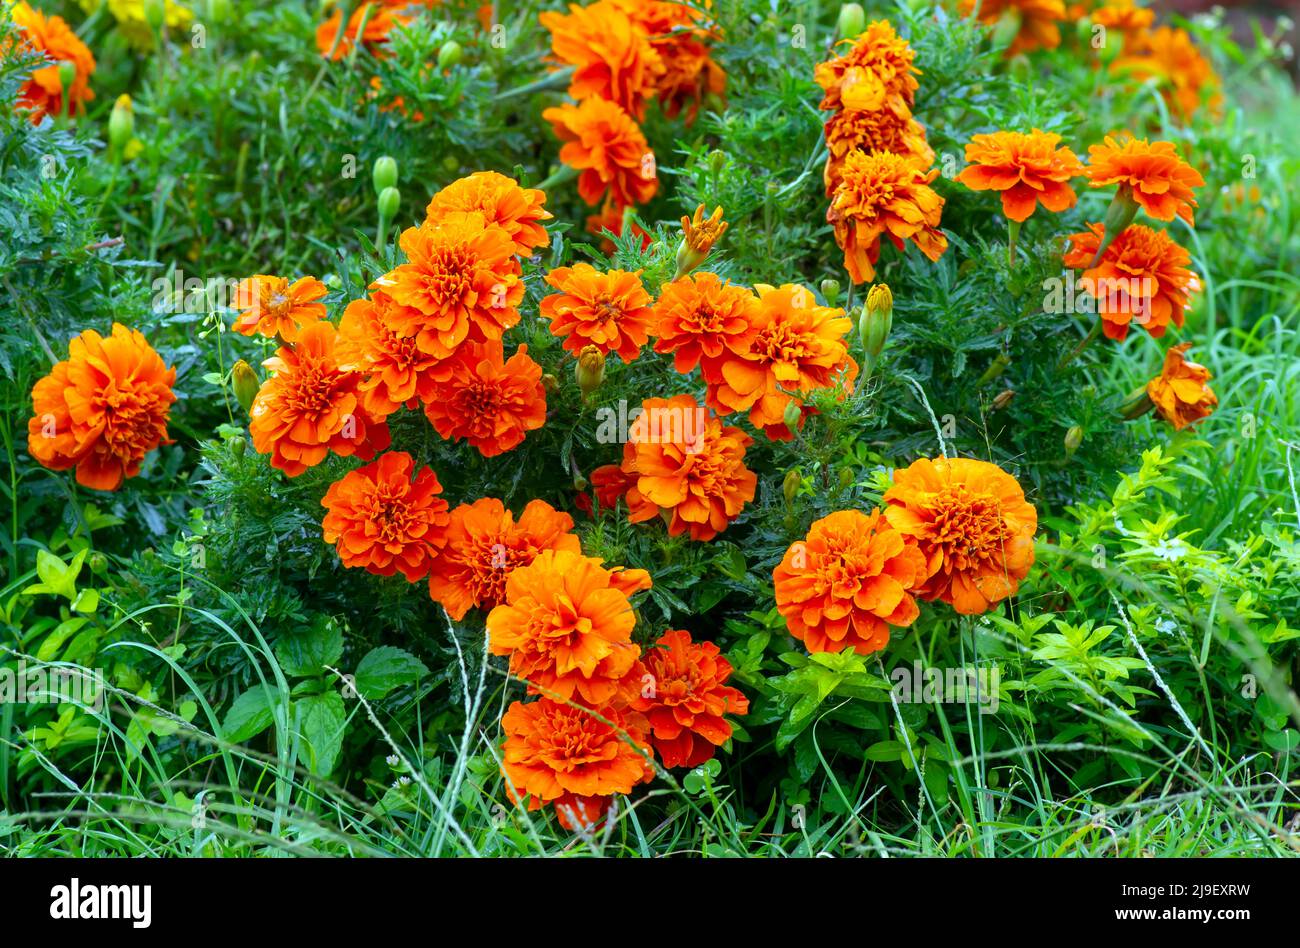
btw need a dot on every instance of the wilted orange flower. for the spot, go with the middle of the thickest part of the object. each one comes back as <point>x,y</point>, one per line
<point>678,34</point>
<point>1187,80</point>
<point>1151,173</point>
<point>607,146</point>
<point>882,130</point>
<point>501,201</point>
<point>1037,21</point>
<point>881,194</point>
<point>383,521</point>
<point>610,54</point>
<point>1123,15</point>
<point>571,758</point>
<point>1142,278</point>
<point>567,626</point>
<point>43,93</point>
<point>1026,168</point>
<point>610,311</point>
<point>102,409</point>
<point>876,73</point>
<point>685,697</point>
<point>702,320</point>
<point>847,582</point>
<point>380,17</point>
<point>311,405</point>
<point>394,371</point>
<point>461,283</point>
<point>489,402</point>
<point>1179,392</point>
<point>972,524</point>
<point>797,346</point>
<point>485,543</point>
<point>610,219</point>
<point>272,306</point>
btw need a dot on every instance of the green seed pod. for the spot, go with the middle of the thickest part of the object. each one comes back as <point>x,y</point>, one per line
<point>793,415</point>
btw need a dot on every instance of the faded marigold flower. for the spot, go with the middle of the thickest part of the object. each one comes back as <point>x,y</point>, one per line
<point>312,405</point>
<point>610,311</point>
<point>1124,16</point>
<point>881,194</point>
<point>383,521</point>
<point>882,130</point>
<point>102,409</point>
<point>684,697</point>
<point>1187,80</point>
<point>698,237</point>
<point>876,73</point>
<point>1035,21</point>
<point>1180,392</point>
<point>971,523</point>
<point>1142,278</point>
<point>1026,168</point>
<point>484,543</point>
<point>461,282</point>
<point>501,201</point>
<point>611,55</point>
<point>43,93</point>
<point>1150,173</point>
<point>797,346</point>
<point>569,757</point>
<point>272,306</point>
<point>607,146</point>
<point>678,34</point>
<point>847,582</point>
<point>702,320</point>
<point>394,371</point>
<point>489,402</point>
<point>567,626</point>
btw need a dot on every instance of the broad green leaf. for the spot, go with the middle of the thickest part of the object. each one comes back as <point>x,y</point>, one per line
<point>321,720</point>
<point>250,714</point>
<point>386,668</point>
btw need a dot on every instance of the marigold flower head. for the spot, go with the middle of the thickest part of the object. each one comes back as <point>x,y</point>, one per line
<point>971,523</point>
<point>1026,168</point>
<point>312,405</point>
<point>484,543</point>
<point>1123,15</point>
<point>490,402</point>
<point>610,311</point>
<point>1036,20</point>
<point>847,132</point>
<point>699,234</point>
<point>611,55</point>
<point>1180,393</point>
<point>43,92</point>
<point>394,371</point>
<point>850,579</point>
<point>272,306</point>
<point>882,194</point>
<point>372,23</point>
<point>604,143</point>
<point>875,74</point>
<point>102,409</point>
<point>383,520</point>
<point>685,697</point>
<point>679,35</point>
<point>1151,173</point>
<point>501,201</point>
<point>702,319</point>
<point>1187,80</point>
<point>131,22</point>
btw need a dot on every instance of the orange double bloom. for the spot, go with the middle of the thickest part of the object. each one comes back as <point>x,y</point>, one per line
<point>1027,169</point>
<point>608,149</point>
<point>1180,393</point>
<point>1151,173</point>
<point>43,93</point>
<point>703,320</point>
<point>488,400</point>
<point>610,311</point>
<point>518,211</point>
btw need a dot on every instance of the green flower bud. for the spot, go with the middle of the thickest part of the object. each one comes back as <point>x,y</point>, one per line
<point>390,199</point>
<point>121,124</point>
<point>1073,438</point>
<point>790,486</point>
<point>1007,28</point>
<point>852,21</point>
<point>793,415</point>
<point>155,12</point>
<point>384,173</point>
<point>243,378</point>
<point>450,54</point>
<point>67,75</point>
<point>875,323</point>
<point>590,370</point>
<point>831,290</point>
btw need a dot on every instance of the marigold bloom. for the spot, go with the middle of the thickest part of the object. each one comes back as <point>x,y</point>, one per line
<point>1038,21</point>
<point>43,93</point>
<point>489,402</point>
<point>610,311</point>
<point>1026,168</point>
<point>312,405</point>
<point>383,521</point>
<point>571,758</point>
<point>485,543</point>
<point>847,582</point>
<point>1187,80</point>
<point>102,409</point>
<point>678,34</point>
<point>380,17</point>
<point>1123,15</point>
<point>610,483</point>
<point>1150,172</point>
<point>881,194</point>
<point>702,319</point>
<point>876,73</point>
<point>1142,278</point>
<point>971,522</point>
<point>461,283</point>
<point>607,146</point>
<point>611,55</point>
<point>394,371</point>
<point>567,626</point>
<point>1180,392</point>
<point>685,697</point>
<point>272,306</point>
<point>797,346</point>
<point>501,201</point>
<point>699,234</point>
<point>882,130</point>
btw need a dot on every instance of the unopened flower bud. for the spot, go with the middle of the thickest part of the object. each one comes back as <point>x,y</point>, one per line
<point>550,383</point>
<point>390,199</point>
<point>1003,399</point>
<point>580,483</point>
<point>790,486</point>
<point>1137,404</point>
<point>852,21</point>
<point>243,379</point>
<point>995,369</point>
<point>67,75</point>
<point>875,323</point>
<point>1007,28</point>
<point>450,54</point>
<point>793,415</point>
<point>831,291</point>
<point>590,369</point>
<point>1123,208</point>
<point>846,478</point>
<point>1073,438</point>
<point>699,234</point>
<point>155,12</point>
<point>384,173</point>
<point>717,161</point>
<point>121,124</point>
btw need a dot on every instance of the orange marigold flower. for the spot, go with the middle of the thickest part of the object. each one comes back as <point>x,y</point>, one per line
<point>571,758</point>
<point>567,626</point>
<point>610,311</point>
<point>607,146</point>
<point>882,130</point>
<point>43,93</point>
<point>1123,15</point>
<point>489,402</point>
<point>881,194</point>
<point>1151,173</point>
<point>312,405</point>
<point>272,306</point>
<point>702,320</point>
<point>797,347</point>
<point>678,34</point>
<point>972,524</point>
<point>380,18</point>
<point>699,234</point>
<point>102,409</point>
<point>1026,168</point>
<point>610,484</point>
<point>610,54</point>
<point>1179,392</point>
<point>394,371</point>
<point>1142,278</point>
<point>685,698</point>
<point>1037,20</point>
<point>461,282</point>
<point>1187,80</point>
<point>485,543</point>
<point>876,73</point>
<point>501,201</point>
<point>850,579</point>
<point>382,520</point>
